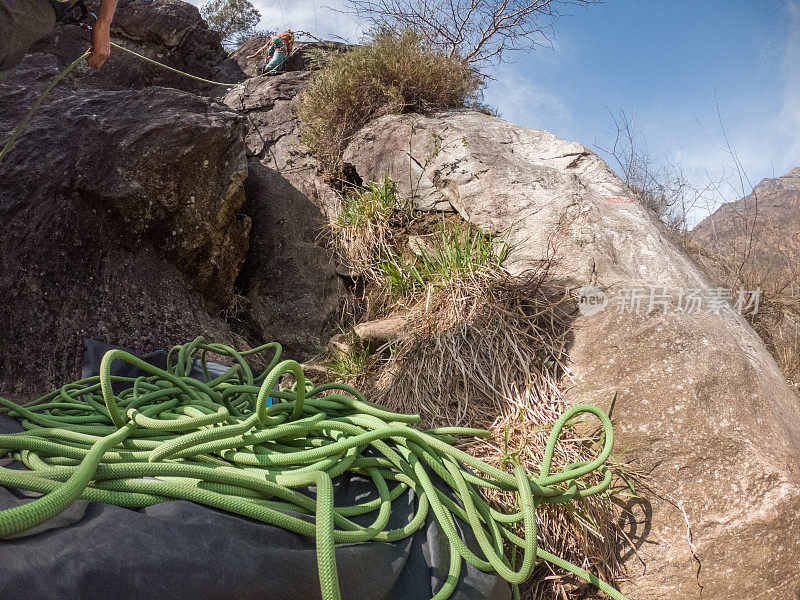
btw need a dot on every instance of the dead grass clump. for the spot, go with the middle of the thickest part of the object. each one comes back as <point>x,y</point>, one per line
<point>777,322</point>
<point>475,337</point>
<point>485,350</point>
<point>363,229</point>
<point>585,532</point>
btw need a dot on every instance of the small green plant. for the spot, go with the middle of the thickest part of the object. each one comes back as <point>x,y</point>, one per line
<point>462,250</point>
<point>350,363</point>
<point>403,277</point>
<point>374,203</point>
<point>363,227</point>
<point>394,72</point>
<point>458,252</point>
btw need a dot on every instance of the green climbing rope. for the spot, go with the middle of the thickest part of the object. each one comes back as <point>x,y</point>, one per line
<point>23,123</point>
<point>168,68</point>
<point>222,444</point>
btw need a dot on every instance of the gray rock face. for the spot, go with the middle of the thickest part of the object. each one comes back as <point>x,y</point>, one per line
<point>119,221</point>
<point>269,104</point>
<point>289,276</point>
<point>701,405</point>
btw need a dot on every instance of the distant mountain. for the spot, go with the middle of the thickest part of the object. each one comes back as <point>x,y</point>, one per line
<point>763,228</point>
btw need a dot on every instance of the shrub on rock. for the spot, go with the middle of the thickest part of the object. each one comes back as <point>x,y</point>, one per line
<point>394,73</point>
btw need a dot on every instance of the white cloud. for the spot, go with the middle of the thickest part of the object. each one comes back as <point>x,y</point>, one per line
<point>519,100</point>
<point>322,18</point>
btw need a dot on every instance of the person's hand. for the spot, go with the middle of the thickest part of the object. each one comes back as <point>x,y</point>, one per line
<point>101,45</point>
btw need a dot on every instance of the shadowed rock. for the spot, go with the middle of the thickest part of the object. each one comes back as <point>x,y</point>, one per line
<point>289,276</point>
<point>118,222</point>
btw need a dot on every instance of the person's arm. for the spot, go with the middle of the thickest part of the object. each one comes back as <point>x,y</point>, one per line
<point>257,52</point>
<point>101,34</point>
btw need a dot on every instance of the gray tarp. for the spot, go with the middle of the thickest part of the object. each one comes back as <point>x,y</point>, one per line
<point>184,550</point>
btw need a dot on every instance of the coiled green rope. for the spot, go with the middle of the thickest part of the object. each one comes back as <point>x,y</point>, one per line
<point>219,443</point>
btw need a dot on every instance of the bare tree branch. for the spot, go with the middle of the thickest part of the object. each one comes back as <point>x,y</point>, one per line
<point>478,31</point>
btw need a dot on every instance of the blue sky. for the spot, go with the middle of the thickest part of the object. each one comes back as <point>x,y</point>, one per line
<point>666,63</point>
<point>669,64</point>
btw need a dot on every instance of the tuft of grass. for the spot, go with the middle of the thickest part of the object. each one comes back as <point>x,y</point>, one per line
<point>372,204</point>
<point>402,277</point>
<point>363,227</point>
<point>460,251</point>
<point>349,364</point>
<point>394,72</point>
<point>456,252</point>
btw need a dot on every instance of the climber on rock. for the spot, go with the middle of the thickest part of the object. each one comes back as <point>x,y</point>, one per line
<point>276,50</point>
<point>24,22</point>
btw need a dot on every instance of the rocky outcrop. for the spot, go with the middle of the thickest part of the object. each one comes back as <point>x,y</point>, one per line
<point>762,230</point>
<point>169,31</point>
<point>289,276</point>
<point>269,104</point>
<point>700,404</point>
<point>756,240</point>
<point>119,221</point>
<point>165,183</point>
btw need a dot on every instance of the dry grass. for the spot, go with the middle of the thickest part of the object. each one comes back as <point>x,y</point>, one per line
<point>476,336</point>
<point>482,349</point>
<point>778,324</point>
<point>486,351</point>
<point>364,226</point>
<point>585,533</point>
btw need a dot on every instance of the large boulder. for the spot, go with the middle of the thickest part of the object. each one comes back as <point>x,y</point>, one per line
<point>701,406</point>
<point>119,220</point>
<point>289,277</point>
<point>169,31</point>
